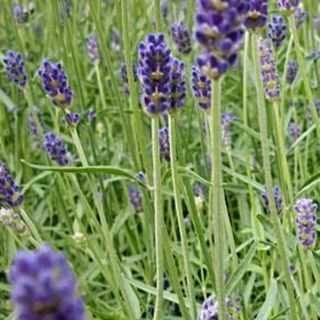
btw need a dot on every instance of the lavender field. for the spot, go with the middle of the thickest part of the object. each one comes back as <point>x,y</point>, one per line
<point>159,159</point>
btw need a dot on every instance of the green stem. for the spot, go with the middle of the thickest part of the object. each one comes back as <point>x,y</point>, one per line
<point>157,14</point>
<point>158,216</point>
<point>304,74</point>
<point>268,178</point>
<point>179,212</point>
<point>216,201</point>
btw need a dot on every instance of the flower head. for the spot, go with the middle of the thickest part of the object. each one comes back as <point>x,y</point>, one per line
<point>201,86</point>
<point>10,192</point>
<point>154,73</point>
<point>292,71</point>
<point>277,29</point>
<point>220,33</point>
<point>12,220</point>
<point>115,40</point>
<point>44,286</point>
<point>288,6</point>
<point>277,198</point>
<point>164,143</point>
<point>306,221</point>
<point>56,149</point>
<point>181,37</point>
<point>178,84</point>
<point>124,76</point>
<point>19,13</point>
<point>135,196</point>
<point>93,49</point>
<point>90,116</point>
<point>35,122</point>
<point>294,131</point>
<point>300,16</point>
<point>269,71</point>
<point>15,67</point>
<point>55,83</point>
<point>226,119</point>
<point>257,15</point>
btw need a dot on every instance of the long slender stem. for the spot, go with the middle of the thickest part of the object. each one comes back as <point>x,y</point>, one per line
<point>158,218</point>
<point>178,209</point>
<point>268,178</point>
<point>157,14</point>
<point>216,186</point>
<point>304,74</point>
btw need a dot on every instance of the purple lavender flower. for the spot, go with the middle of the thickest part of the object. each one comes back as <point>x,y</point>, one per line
<point>292,71</point>
<point>55,83</point>
<point>72,118</point>
<point>309,112</point>
<point>93,49</point>
<point>314,55</point>
<point>135,196</point>
<point>19,14</point>
<point>306,221</point>
<point>115,40</point>
<point>316,23</point>
<point>201,86</point>
<point>220,32</point>
<point>15,67</point>
<point>164,143</point>
<point>56,149</point>
<point>10,192</point>
<point>124,76</point>
<point>226,119</point>
<point>277,198</point>
<point>90,116</point>
<point>288,5</point>
<point>277,30</point>
<point>209,310</point>
<point>198,190</point>
<point>300,16</point>
<point>35,122</point>
<point>294,131</point>
<point>258,14</point>
<point>269,71</point>
<point>181,37</point>
<point>44,286</point>
<point>164,8</point>
<point>178,85</point>
<point>10,219</point>
<point>68,7</point>
<point>154,73</point>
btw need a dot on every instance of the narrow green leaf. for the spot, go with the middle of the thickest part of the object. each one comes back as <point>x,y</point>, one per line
<point>266,309</point>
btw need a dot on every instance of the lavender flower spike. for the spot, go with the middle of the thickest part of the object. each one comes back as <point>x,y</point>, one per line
<point>181,37</point>
<point>10,192</point>
<point>201,87</point>
<point>226,119</point>
<point>277,198</point>
<point>178,85</point>
<point>44,287</point>
<point>292,71</point>
<point>306,221</point>
<point>56,149</point>
<point>55,83</point>
<point>220,32</point>
<point>93,49</point>
<point>164,143</point>
<point>277,29</point>
<point>35,123</point>
<point>154,73</point>
<point>288,6</point>
<point>135,196</point>
<point>294,131</point>
<point>258,14</point>
<point>300,16</point>
<point>269,71</point>
<point>15,68</point>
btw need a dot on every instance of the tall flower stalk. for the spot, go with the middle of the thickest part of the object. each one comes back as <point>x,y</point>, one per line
<point>268,177</point>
